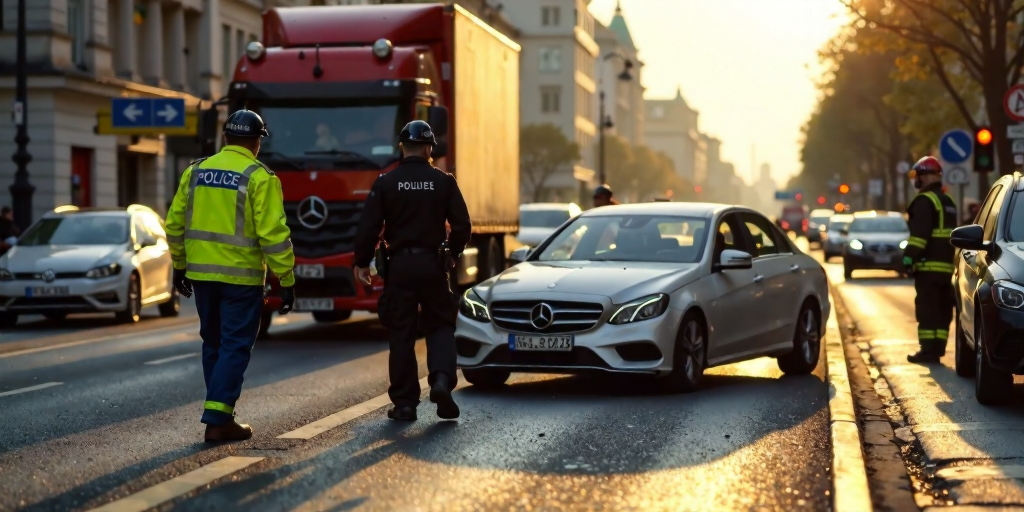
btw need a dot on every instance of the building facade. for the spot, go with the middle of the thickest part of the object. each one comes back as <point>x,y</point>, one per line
<point>623,99</point>
<point>83,53</point>
<point>670,126</point>
<point>557,82</point>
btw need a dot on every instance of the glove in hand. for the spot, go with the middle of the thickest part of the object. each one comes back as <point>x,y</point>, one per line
<point>287,300</point>
<point>182,283</point>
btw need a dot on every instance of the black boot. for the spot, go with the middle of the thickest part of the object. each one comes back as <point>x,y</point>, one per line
<point>447,409</point>
<point>924,356</point>
<point>402,413</point>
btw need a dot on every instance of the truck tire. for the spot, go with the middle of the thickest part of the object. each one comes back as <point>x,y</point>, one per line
<point>329,317</point>
<point>493,261</point>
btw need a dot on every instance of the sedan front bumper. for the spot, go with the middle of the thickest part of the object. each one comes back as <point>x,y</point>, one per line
<point>1004,338</point>
<point>84,295</point>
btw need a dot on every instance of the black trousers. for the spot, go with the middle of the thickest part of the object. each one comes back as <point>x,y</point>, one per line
<point>934,306</point>
<point>417,297</point>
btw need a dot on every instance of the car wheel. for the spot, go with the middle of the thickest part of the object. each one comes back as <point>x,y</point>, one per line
<point>486,377</point>
<point>991,385</point>
<point>328,317</point>
<point>847,273</point>
<point>55,317</point>
<point>8,320</point>
<point>964,356</point>
<point>173,306</point>
<point>133,309</point>
<point>827,257</point>
<point>806,344</point>
<point>265,320</point>
<point>689,357</point>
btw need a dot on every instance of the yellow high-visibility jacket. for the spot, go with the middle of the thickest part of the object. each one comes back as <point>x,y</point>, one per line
<point>227,219</point>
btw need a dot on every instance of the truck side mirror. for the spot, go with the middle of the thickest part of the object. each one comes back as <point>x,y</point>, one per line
<point>208,131</point>
<point>437,118</point>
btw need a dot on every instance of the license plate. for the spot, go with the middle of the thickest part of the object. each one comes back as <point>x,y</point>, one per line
<point>525,343</point>
<point>310,271</point>
<point>48,291</point>
<point>883,259</point>
<point>314,304</point>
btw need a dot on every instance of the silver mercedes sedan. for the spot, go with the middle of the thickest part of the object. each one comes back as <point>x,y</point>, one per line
<point>659,289</point>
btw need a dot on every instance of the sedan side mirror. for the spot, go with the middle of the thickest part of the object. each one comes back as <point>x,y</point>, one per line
<point>970,237</point>
<point>732,259</point>
<point>519,255</point>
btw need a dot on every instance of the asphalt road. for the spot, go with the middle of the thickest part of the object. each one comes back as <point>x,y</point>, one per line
<point>970,454</point>
<point>120,415</point>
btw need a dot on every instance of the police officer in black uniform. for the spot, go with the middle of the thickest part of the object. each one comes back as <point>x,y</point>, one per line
<point>929,259</point>
<point>412,204</point>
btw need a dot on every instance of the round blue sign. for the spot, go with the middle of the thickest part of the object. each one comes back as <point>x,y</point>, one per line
<point>956,146</point>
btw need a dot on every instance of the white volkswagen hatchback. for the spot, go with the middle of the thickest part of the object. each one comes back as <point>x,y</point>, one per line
<point>661,289</point>
<point>89,260</point>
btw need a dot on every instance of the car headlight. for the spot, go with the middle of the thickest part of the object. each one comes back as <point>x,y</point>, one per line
<point>1008,295</point>
<point>472,306</point>
<point>856,245</point>
<point>104,271</point>
<point>903,244</point>
<point>6,275</point>
<point>644,308</point>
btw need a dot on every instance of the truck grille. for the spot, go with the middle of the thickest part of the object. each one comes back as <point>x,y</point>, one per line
<point>336,236</point>
<point>567,316</point>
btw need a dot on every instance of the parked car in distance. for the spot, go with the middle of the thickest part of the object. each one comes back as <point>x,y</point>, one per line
<point>649,289</point>
<point>87,260</point>
<point>538,220</point>
<point>988,280</point>
<point>875,241</point>
<point>833,240</point>
<point>794,218</point>
<point>817,222</point>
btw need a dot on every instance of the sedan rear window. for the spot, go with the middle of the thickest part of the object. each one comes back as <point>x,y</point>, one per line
<point>78,230</point>
<point>543,218</point>
<point>879,225</point>
<point>640,238</point>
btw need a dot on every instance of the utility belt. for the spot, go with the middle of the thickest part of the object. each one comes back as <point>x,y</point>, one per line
<point>382,257</point>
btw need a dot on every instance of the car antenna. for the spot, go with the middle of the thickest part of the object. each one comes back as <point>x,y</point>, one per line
<point>317,70</point>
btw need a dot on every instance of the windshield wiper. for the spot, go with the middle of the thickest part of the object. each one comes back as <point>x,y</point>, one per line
<point>278,158</point>
<point>354,156</point>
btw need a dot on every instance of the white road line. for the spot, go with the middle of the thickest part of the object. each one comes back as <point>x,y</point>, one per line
<point>341,417</point>
<point>31,388</point>
<point>93,340</point>
<point>175,358</point>
<point>166,491</point>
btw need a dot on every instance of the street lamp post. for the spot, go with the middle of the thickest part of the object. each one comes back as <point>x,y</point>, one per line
<point>605,122</point>
<point>21,189</point>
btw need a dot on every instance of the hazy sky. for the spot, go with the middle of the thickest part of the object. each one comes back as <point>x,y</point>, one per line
<point>748,67</point>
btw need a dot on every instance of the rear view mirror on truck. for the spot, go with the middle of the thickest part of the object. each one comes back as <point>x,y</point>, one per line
<point>437,117</point>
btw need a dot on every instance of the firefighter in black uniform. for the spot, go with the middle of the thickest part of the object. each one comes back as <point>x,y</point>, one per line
<point>929,259</point>
<point>412,204</point>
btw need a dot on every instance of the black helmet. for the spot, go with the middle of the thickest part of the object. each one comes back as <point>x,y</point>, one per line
<point>245,123</point>
<point>418,132</point>
<point>603,190</point>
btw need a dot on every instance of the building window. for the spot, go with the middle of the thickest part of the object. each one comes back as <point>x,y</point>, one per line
<point>550,59</point>
<point>550,16</point>
<point>550,100</point>
<point>240,43</point>
<point>76,29</point>
<point>227,56</point>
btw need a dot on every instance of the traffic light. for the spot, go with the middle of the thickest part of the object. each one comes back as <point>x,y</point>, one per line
<point>984,150</point>
<point>821,199</point>
<point>844,188</point>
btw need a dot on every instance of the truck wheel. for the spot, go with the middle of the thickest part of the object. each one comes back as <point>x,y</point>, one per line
<point>265,320</point>
<point>493,261</point>
<point>329,317</point>
<point>8,319</point>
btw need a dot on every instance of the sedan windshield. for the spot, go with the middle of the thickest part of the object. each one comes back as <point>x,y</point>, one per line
<point>78,230</point>
<point>359,134</point>
<point>543,218</point>
<point>879,225</point>
<point>640,238</point>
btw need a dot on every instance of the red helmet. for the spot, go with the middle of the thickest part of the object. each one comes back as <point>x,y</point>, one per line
<point>928,165</point>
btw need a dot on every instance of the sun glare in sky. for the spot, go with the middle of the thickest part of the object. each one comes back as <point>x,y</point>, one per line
<point>748,67</point>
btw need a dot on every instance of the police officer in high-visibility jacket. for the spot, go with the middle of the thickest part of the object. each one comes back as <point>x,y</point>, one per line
<point>225,226</point>
<point>928,257</point>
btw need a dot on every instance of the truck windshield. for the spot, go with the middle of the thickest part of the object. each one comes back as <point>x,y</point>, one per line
<point>357,134</point>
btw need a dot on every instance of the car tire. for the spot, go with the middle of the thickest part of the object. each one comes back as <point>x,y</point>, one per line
<point>55,317</point>
<point>965,362</point>
<point>827,257</point>
<point>803,359</point>
<point>8,320</point>
<point>847,273</point>
<point>132,312</point>
<point>486,377</point>
<point>689,356</point>
<point>173,306</point>
<point>265,320</point>
<point>991,385</point>
<point>329,317</point>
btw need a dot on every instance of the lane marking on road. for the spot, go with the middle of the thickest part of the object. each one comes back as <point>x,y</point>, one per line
<point>89,341</point>
<point>31,388</point>
<point>178,486</point>
<point>174,358</point>
<point>960,427</point>
<point>981,472</point>
<point>341,417</point>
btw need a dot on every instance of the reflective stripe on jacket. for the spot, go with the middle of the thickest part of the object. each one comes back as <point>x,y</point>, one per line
<point>227,221</point>
<point>932,219</point>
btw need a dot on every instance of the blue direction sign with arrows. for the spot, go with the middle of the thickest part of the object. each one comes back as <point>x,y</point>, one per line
<point>147,113</point>
<point>956,146</point>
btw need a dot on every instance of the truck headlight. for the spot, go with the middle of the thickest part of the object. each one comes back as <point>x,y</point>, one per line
<point>1008,295</point>
<point>105,271</point>
<point>255,51</point>
<point>6,275</point>
<point>473,307</point>
<point>856,245</point>
<point>644,308</point>
<point>382,48</point>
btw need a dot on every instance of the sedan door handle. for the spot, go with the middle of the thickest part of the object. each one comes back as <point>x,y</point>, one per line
<point>794,268</point>
<point>758,278</point>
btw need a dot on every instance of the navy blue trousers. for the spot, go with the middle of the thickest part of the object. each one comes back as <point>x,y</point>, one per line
<point>229,320</point>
